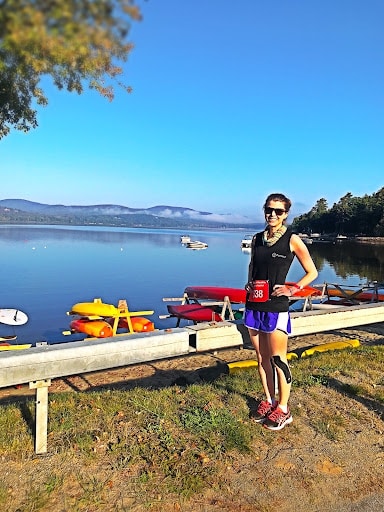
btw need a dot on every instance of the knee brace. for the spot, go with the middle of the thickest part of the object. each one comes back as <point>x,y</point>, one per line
<point>278,363</point>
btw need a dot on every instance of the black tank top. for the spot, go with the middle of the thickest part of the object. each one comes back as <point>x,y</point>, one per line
<point>270,263</point>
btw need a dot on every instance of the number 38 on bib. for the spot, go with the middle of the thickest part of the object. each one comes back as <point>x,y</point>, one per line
<point>260,292</point>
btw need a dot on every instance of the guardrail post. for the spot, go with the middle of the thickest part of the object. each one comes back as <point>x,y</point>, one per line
<point>41,426</point>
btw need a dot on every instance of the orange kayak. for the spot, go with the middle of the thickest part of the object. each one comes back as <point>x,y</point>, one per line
<point>306,291</point>
<point>95,328</point>
<point>369,296</point>
<point>139,324</point>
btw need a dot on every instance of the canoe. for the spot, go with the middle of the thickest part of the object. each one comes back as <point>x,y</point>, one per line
<point>95,328</point>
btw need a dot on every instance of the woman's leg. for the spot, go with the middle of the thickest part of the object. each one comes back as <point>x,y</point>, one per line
<point>278,342</point>
<point>260,343</point>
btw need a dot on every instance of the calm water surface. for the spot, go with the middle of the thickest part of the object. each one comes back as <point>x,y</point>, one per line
<point>47,269</point>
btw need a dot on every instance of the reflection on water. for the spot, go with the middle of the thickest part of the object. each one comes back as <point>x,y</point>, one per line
<point>351,261</point>
<point>47,269</point>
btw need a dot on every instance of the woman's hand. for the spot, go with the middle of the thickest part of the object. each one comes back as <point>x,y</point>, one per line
<point>249,287</point>
<point>282,289</point>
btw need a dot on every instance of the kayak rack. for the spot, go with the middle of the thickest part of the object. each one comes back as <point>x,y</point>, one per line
<point>201,308</point>
<point>109,315</point>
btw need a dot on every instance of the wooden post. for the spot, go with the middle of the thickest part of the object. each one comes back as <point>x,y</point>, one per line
<point>41,426</point>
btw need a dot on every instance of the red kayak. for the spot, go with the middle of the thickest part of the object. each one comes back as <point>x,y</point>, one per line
<point>194,312</point>
<point>235,295</point>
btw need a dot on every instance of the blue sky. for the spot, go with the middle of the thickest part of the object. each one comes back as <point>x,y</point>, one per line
<point>231,101</point>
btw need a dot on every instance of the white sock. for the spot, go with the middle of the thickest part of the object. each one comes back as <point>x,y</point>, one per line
<point>284,408</point>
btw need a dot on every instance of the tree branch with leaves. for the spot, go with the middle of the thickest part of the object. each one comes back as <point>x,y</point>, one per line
<point>76,42</point>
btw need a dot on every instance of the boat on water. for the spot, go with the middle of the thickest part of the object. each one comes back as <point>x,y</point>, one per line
<point>184,239</point>
<point>196,244</point>
<point>246,242</point>
<point>305,238</point>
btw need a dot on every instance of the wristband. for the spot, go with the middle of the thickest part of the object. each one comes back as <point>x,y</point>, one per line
<point>298,287</point>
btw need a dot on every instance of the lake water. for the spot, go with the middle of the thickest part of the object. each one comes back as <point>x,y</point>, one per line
<point>47,269</point>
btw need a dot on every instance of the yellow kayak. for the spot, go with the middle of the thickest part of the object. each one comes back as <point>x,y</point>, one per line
<point>95,308</point>
<point>8,346</point>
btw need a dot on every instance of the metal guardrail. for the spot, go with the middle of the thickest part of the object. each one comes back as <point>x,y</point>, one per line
<point>38,365</point>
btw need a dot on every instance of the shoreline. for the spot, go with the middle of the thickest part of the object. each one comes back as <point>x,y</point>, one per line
<point>374,240</point>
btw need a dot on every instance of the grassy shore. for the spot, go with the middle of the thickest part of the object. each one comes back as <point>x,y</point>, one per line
<point>194,448</point>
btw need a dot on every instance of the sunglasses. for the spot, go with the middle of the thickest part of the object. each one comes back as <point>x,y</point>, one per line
<point>278,211</point>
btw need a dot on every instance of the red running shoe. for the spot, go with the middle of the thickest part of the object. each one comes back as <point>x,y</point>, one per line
<point>277,419</point>
<point>264,408</point>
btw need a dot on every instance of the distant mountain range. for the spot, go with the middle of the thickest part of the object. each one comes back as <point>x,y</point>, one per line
<point>23,211</point>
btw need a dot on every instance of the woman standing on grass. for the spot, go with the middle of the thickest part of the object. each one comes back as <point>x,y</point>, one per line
<point>266,311</point>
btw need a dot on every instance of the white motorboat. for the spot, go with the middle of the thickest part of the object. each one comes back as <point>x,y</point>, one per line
<point>196,244</point>
<point>305,238</point>
<point>246,241</point>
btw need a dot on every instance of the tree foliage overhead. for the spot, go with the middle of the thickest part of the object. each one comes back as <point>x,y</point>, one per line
<point>349,216</point>
<point>73,41</point>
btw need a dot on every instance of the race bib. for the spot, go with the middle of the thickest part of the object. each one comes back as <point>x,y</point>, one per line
<point>260,292</point>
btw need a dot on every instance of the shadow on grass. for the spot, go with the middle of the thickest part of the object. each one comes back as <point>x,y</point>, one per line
<point>347,389</point>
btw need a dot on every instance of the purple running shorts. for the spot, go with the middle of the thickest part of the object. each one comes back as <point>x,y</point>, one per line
<point>267,322</point>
